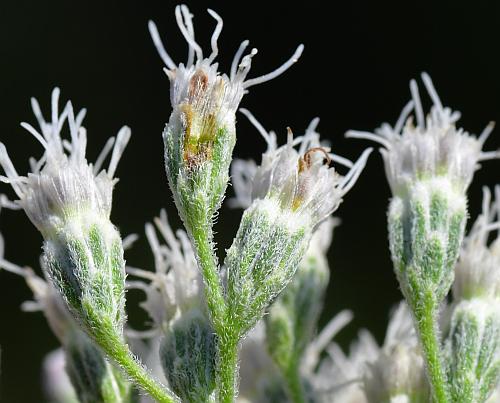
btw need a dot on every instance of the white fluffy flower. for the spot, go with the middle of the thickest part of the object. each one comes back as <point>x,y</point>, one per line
<point>62,183</point>
<point>175,287</point>
<point>204,97</point>
<point>258,371</point>
<point>371,373</point>
<point>295,175</point>
<point>45,297</point>
<point>478,270</point>
<point>398,371</point>
<point>432,147</point>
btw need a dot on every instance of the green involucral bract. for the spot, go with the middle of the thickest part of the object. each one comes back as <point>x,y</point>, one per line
<point>93,377</point>
<point>85,261</point>
<point>292,319</point>
<point>198,174</point>
<point>425,233</point>
<point>473,350</point>
<point>262,260</point>
<point>188,354</point>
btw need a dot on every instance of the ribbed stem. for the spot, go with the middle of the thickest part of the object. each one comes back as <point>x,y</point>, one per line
<point>426,323</point>
<point>208,264</point>
<point>117,349</point>
<point>227,370</point>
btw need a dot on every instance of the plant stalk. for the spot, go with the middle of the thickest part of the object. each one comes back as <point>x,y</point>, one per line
<point>426,323</point>
<point>118,350</point>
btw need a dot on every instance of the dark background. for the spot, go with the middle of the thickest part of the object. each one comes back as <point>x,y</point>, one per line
<point>354,73</point>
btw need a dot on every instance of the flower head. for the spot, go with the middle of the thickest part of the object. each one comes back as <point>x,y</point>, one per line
<point>478,269</point>
<point>62,183</point>
<point>205,99</point>
<point>297,175</point>
<point>398,371</point>
<point>174,300</point>
<point>372,373</point>
<point>433,147</point>
<point>175,287</point>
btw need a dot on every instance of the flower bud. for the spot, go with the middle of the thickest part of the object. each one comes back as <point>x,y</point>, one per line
<point>425,234</point>
<point>477,274</point>
<point>429,167</point>
<point>175,302</point>
<point>472,345</point>
<point>69,201</point>
<point>293,191</point>
<point>188,354</point>
<point>473,350</point>
<point>200,134</point>
<point>91,377</point>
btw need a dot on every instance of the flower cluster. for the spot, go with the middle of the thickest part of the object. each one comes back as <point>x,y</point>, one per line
<point>478,269</point>
<point>256,317</point>
<point>472,348</point>
<point>430,147</point>
<point>204,99</point>
<point>296,176</point>
<point>62,184</point>
<point>200,134</point>
<point>175,287</point>
<point>292,192</point>
<point>175,303</point>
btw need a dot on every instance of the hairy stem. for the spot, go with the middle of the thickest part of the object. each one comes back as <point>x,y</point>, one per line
<point>426,322</point>
<point>117,349</point>
<point>208,264</point>
<point>227,368</point>
<point>227,336</point>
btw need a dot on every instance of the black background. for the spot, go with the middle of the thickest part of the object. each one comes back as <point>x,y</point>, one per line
<point>354,73</point>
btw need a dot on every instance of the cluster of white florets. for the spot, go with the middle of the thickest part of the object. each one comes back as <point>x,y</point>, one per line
<point>197,85</point>
<point>432,147</point>
<point>297,175</point>
<point>176,285</point>
<point>477,273</point>
<point>371,373</point>
<point>62,183</point>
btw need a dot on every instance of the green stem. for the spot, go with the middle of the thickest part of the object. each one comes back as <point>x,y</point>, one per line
<point>209,268</point>
<point>425,315</point>
<point>117,349</point>
<point>294,383</point>
<point>227,336</point>
<point>226,369</point>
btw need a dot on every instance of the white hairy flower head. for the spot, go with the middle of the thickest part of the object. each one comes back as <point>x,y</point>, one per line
<point>200,135</point>
<point>174,300</point>
<point>176,285</point>
<point>62,184</point>
<point>69,201</point>
<point>293,191</point>
<point>346,370</point>
<point>429,167</point>
<point>472,352</point>
<point>296,176</point>
<point>398,372</point>
<point>477,273</point>
<point>433,147</point>
<point>204,100</point>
